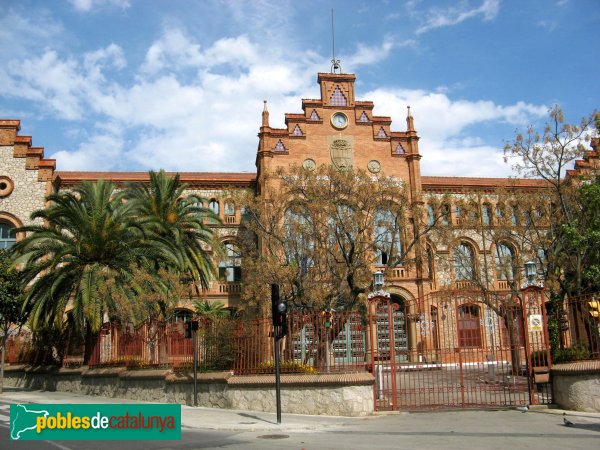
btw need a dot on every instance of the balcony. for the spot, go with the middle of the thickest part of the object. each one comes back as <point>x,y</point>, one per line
<point>228,287</point>
<point>465,284</point>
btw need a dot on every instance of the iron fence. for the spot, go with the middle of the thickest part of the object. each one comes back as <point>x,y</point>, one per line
<point>312,344</point>
<point>161,344</point>
<point>578,322</point>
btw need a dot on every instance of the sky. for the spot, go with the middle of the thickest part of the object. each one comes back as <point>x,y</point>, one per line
<point>136,85</point>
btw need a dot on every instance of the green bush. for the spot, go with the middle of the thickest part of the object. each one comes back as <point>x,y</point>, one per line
<point>286,367</point>
<point>576,352</point>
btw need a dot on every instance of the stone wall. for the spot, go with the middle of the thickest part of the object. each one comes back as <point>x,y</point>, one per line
<point>326,394</point>
<point>576,386</point>
<point>25,175</point>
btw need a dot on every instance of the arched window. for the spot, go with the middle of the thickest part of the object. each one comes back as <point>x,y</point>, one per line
<point>486,214</point>
<point>445,214</point>
<point>386,237</point>
<point>505,262</point>
<point>182,315</point>
<point>213,205</point>
<point>8,237</point>
<point>298,242</point>
<point>499,212</point>
<point>230,267</point>
<point>430,215</point>
<point>464,262</point>
<point>514,216</point>
<point>429,262</point>
<point>229,208</point>
<point>458,214</point>
<point>469,326</point>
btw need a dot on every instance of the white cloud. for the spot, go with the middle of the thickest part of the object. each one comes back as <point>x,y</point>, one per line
<point>208,121</point>
<point>100,152</point>
<point>173,50</point>
<point>20,35</point>
<point>53,81</point>
<point>367,55</point>
<point>447,144</point>
<point>439,18</point>
<point>88,5</point>
<point>111,56</point>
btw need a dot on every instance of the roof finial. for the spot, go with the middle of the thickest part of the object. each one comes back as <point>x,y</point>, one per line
<point>335,63</point>
<point>265,115</point>
<point>410,124</point>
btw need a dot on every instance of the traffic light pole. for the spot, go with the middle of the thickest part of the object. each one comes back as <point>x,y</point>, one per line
<point>277,377</point>
<point>278,312</point>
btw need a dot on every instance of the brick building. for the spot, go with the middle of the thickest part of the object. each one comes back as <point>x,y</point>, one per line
<point>335,129</point>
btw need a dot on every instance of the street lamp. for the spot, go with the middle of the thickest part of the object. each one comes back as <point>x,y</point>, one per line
<point>530,270</point>
<point>378,282</point>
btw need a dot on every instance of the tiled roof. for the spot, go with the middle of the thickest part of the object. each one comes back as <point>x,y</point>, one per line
<point>224,178</point>
<point>442,182</point>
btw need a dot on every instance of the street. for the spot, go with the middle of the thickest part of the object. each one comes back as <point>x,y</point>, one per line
<point>204,428</point>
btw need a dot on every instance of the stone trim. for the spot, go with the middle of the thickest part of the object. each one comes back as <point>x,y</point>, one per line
<point>15,368</point>
<point>577,368</point>
<point>343,379</point>
<point>207,377</point>
<point>104,372</point>
<point>22,148</point>
<point>148,374</point>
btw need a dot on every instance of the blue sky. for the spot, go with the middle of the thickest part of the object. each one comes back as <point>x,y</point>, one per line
<point>148,84</point>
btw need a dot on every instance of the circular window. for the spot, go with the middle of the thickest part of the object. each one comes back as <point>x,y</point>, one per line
<point>6,186</point>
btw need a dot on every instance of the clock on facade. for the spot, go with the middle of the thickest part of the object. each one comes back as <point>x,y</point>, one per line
<point>339,120</point>
<point>374,166</point>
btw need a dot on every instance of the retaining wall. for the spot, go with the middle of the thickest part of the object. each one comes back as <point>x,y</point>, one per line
<point>576,386</point>
<point>325,394</point>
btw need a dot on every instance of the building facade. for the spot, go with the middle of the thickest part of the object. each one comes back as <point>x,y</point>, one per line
<point>336,129</point>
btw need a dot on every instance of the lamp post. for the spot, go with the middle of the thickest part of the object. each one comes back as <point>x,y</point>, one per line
<point>374,297</point>
<point>378,282</point>
<point>530,271</point>
<point>531,300</point>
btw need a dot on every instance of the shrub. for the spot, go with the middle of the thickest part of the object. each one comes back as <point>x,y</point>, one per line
<point>287,366</point>
<point>576,352</point>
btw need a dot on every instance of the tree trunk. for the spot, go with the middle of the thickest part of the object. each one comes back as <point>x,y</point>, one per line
<point>2,367</point>
<point>513,337</point>
<point>90,343</point>
<point>3,344</point>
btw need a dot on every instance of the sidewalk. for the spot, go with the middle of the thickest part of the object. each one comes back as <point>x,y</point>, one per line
<point>538,428</point>
<point>199,418</point>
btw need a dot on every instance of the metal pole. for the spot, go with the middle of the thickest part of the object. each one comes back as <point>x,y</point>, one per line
<point>327,356</point>
<point>277,378</point>
<point>195,339</point>
<point>527,349</point>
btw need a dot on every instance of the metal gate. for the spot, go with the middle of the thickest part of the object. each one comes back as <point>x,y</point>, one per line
<point>459,349</point>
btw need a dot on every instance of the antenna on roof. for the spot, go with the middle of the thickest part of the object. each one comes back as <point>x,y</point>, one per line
<point>335,63</point>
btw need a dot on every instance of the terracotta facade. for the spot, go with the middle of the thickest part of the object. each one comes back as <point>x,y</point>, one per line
<point>334,129</point>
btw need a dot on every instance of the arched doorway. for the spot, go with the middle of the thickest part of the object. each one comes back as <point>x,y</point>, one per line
<point>400,327</point>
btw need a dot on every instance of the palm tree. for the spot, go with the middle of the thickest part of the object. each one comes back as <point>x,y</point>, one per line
<point>211,309</point>
<point>179,222</point>
<point>83,257</point>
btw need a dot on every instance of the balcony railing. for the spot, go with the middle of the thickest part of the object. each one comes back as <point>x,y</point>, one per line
<point>229,288</point>
<point>398,273</point>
